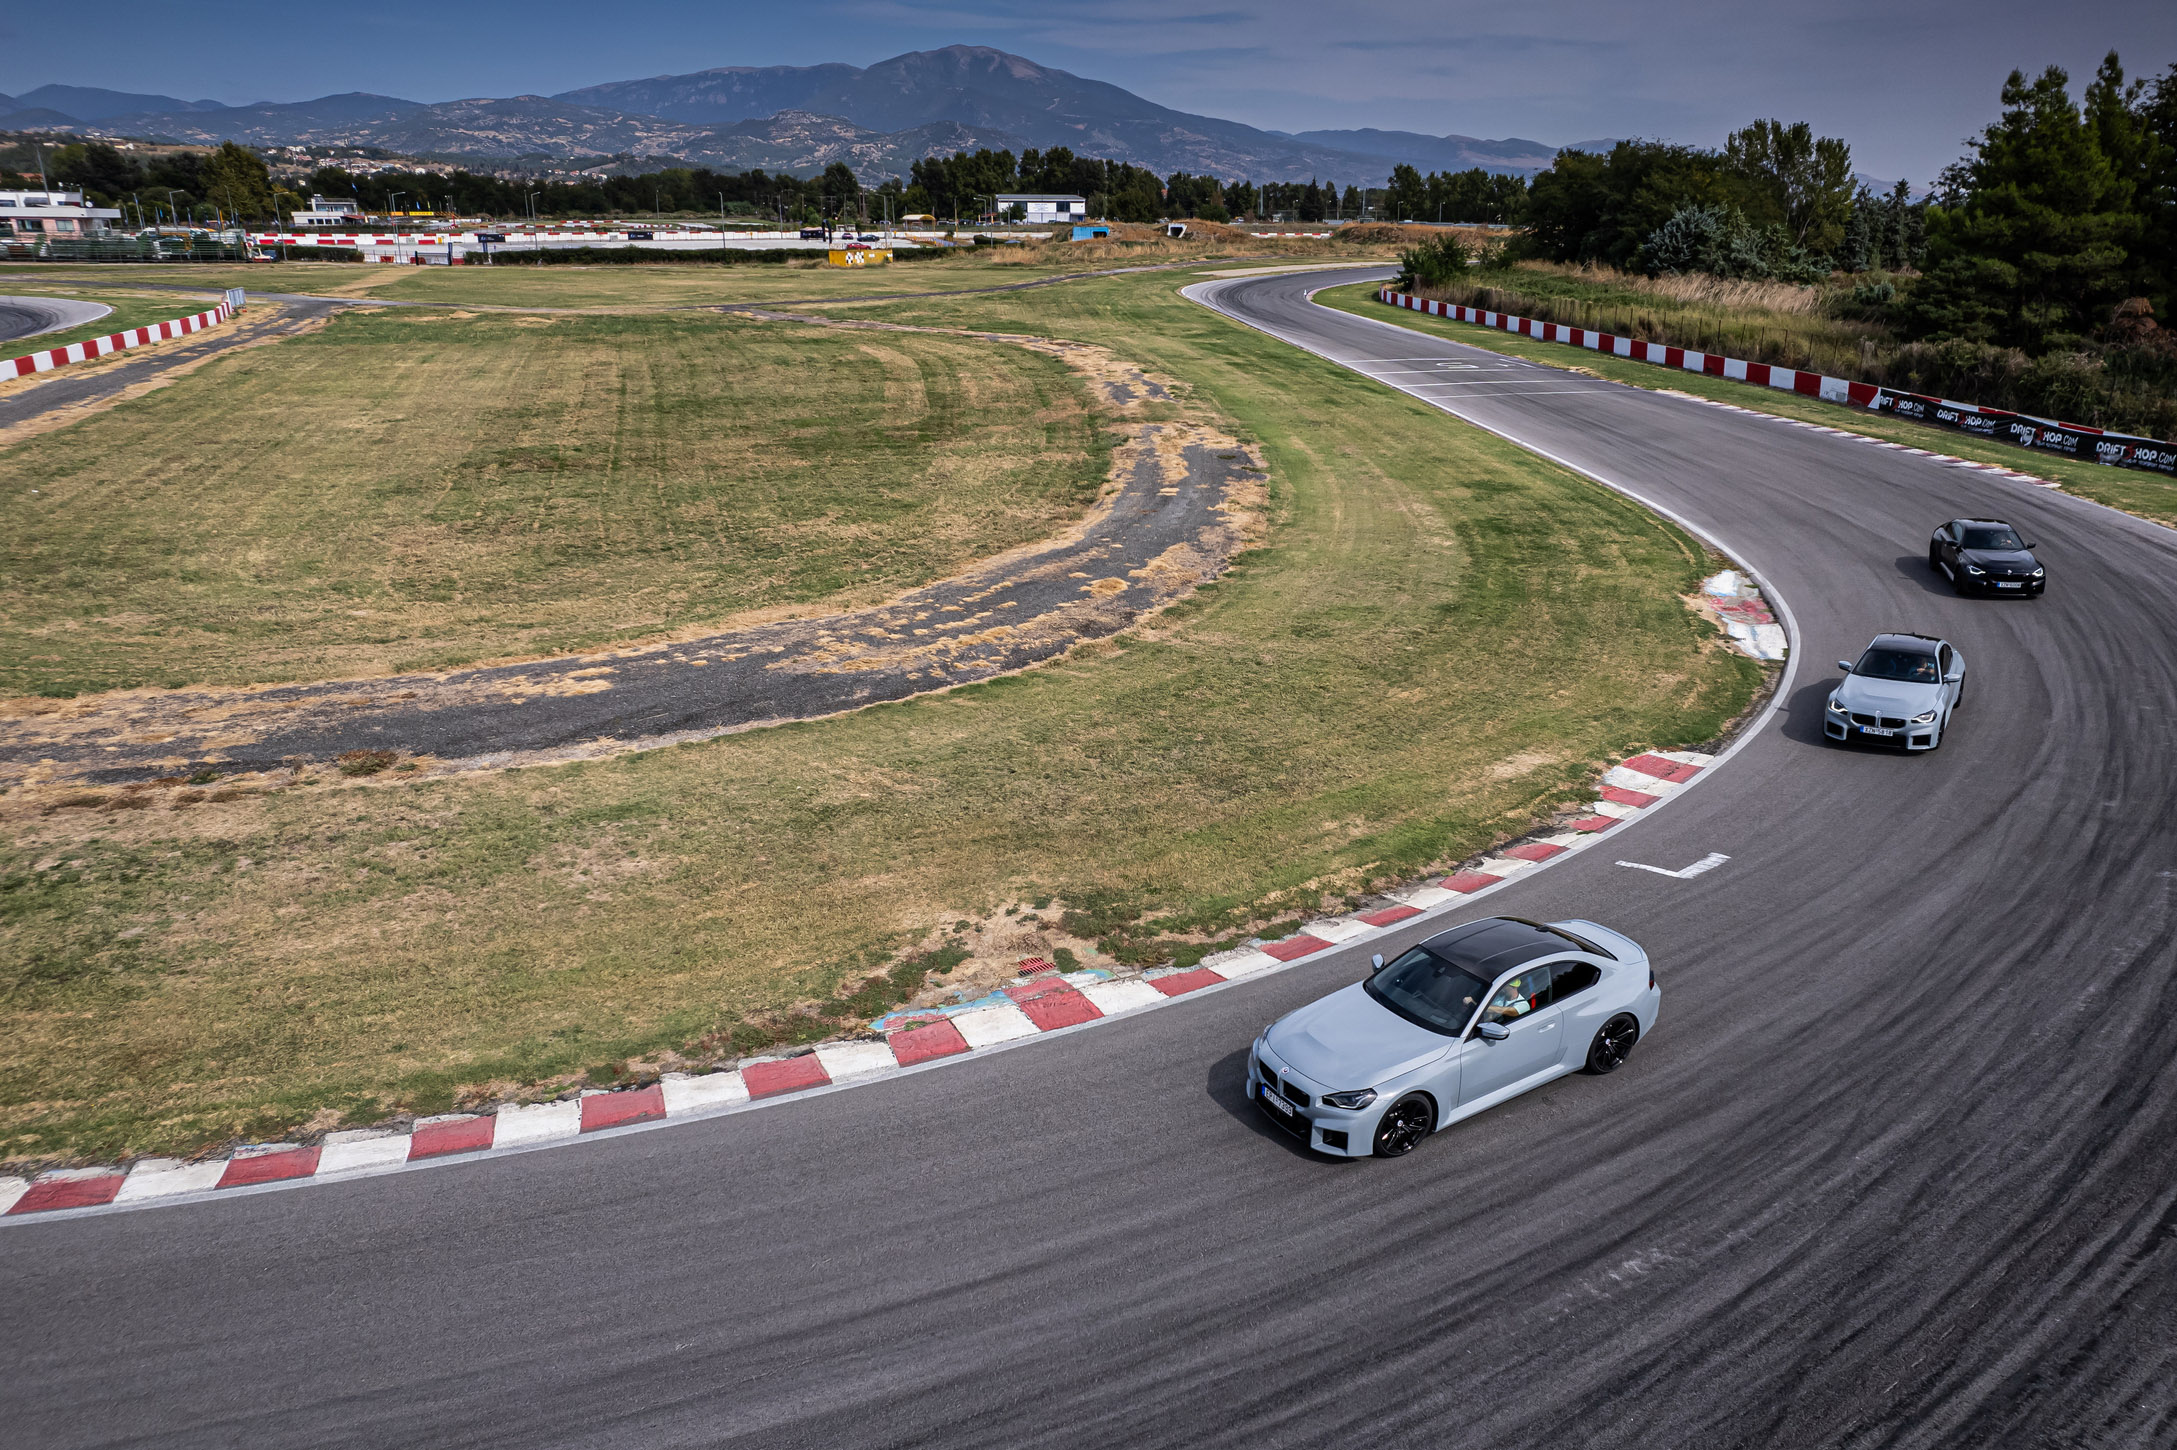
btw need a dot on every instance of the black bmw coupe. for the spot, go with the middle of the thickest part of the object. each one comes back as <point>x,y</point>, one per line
<point>1986,556</point>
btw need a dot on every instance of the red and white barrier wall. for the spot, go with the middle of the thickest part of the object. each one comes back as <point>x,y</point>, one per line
<point>75,352</point>
<point>1814,385</point>
<point>2076,440</point>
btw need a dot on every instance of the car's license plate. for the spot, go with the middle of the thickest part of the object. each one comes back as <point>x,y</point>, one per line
<point>1875,730</point>
<point>1276,1102</point>
<point>2010,586</point>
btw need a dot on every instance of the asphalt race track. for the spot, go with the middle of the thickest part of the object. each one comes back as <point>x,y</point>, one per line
<point>1894,1169</point>
<point>22,317</point>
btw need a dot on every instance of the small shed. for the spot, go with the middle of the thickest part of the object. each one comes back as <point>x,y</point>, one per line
<point>1090,233</point>
<point>1044,208</point>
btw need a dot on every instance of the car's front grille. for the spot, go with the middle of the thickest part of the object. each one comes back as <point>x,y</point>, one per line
<point>1279,1086</point>
<point>1887,722</point>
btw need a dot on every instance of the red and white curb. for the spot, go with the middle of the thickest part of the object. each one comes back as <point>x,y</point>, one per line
<point>1045,1003</point>
<point>75,352</point>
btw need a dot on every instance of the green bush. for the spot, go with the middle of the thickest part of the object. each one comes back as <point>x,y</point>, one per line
<point>1437,262</point>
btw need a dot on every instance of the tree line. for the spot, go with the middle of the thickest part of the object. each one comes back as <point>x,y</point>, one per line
<point>2062,214</point>
<point>234,182</point>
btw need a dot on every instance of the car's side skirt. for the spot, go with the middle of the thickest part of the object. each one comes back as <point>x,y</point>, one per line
<point>1504,1095</point>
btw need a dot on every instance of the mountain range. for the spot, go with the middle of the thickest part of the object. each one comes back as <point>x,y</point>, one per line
<point>878,119</point>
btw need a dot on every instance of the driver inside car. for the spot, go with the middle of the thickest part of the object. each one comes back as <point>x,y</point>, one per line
<point>1514,1000</point>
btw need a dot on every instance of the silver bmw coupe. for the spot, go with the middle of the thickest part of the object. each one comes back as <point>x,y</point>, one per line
<point>1467,1019</point>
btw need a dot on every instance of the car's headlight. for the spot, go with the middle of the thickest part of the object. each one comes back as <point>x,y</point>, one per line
<point>1926,718</point>
<point>1836,704</point>
<point>2039,572</point>
<point>1975,569</point>
<point>1358,1098</point>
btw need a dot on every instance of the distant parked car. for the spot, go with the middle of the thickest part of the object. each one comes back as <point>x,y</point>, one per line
<point>1986,556</point>
<point>1468,1019</point>
<point>1901,692</point>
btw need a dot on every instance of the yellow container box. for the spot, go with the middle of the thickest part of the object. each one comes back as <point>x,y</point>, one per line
<point>859,256</point>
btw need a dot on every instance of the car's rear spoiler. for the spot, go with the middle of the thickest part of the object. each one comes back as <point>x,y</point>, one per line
<point>1617,944</point>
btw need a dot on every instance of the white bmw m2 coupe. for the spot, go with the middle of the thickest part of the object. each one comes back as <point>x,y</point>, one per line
<point>1467,1019</point>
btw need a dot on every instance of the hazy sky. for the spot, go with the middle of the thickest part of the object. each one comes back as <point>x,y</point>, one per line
<point>1904,83</point>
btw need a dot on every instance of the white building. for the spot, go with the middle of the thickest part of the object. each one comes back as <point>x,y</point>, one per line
<point>1046,210</point>
<point>54,213</point>
<point>324,213</point>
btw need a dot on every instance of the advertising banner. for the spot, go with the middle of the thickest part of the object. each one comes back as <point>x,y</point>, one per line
<point>2118,450</point>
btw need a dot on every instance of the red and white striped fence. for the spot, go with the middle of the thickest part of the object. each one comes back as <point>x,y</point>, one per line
<point>2076,440</point>
<point>1791,380</point>
<point>75,352</point>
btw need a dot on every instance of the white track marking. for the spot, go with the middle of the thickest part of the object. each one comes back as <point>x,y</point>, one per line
<point>363,1148</point>
<point>1246,964</point>
<point>1707,863</point>
<point>540,1123</point>
<point>1112,998</point>
<point>844,1060</point>
<point>165,1177</point>
<point>989,1026</point>
<point>684,1095</point>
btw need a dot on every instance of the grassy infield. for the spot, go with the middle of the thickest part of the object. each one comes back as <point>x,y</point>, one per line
<point>1441,637</point>
<point>406,490</point>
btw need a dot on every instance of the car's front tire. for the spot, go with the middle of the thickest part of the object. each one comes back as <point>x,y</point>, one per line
<point>1613,1044</point>
<point>1403,1125</point>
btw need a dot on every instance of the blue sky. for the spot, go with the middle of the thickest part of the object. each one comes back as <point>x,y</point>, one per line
<point>1904,83</point>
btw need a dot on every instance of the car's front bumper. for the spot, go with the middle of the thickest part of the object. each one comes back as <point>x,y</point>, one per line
<point>1849,729</point>
<point>2004,584</point>
<point>1339,1132</point>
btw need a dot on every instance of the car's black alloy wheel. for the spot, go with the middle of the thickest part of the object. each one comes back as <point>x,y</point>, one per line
<point>1403,1125</point>
<point>1613,1044</point>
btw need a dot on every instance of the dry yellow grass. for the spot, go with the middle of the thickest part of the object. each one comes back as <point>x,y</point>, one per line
<point>411,490</point>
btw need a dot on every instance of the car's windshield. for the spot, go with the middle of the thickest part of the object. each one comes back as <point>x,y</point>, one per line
<point>1993,539</point>
<point>1425,989</point>
<point>1898,664</point>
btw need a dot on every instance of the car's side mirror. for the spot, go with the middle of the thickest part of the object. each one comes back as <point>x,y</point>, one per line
<point>2028,544</point>
<point>1492,1032</point>
<point>1953,677</point>
<point>1845,665</point>
<point>1375,963</point>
